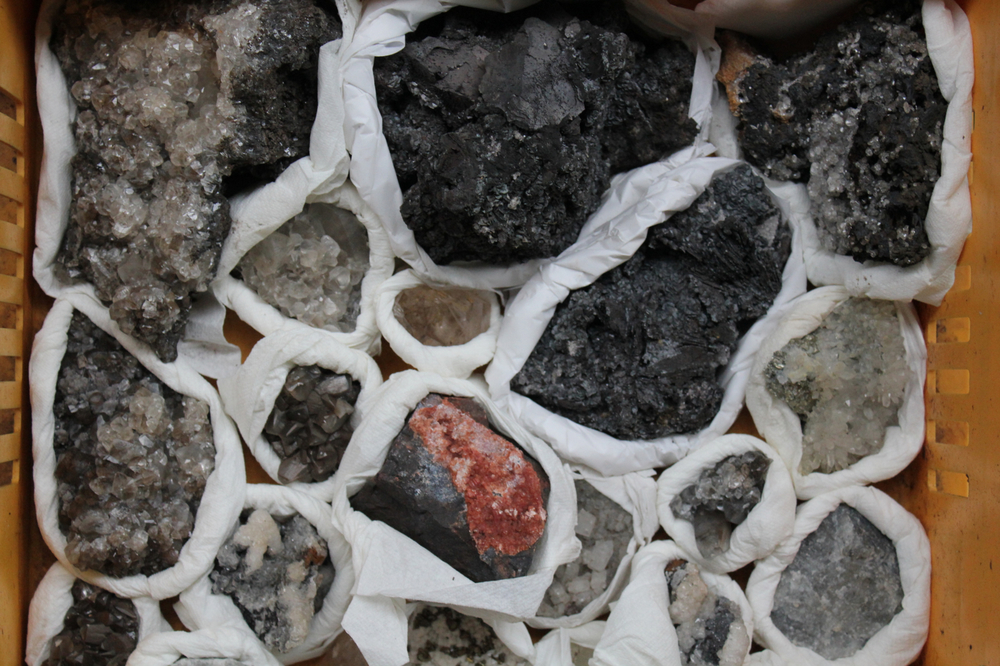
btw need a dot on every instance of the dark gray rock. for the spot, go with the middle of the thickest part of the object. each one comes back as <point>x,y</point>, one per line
<point>99,629</point>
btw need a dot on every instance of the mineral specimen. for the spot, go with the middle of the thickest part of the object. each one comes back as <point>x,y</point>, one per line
<point>505,130</point>
<point>310,425</point>
<point>721,499</point>
<point>604,529</point>
<point>99,629</point>
<point>841,588</point>
<point>312,267</point>
<point>637,353</point>
<point>443,637</point>
<point>710,629</point>
<point>460,490</point>
<point>442,317</point>
<point>179,104</point>
<point>132,458</point>
<point>859,117</point>
<point>278,574</point>
<point>845,380</point>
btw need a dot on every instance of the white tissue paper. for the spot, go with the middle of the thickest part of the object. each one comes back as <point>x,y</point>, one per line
<point>896,644</point>
<point>167,648</point>
<point>782,428</point>
<point>569,646</point>
<point>223,495</point>
<point>768,524</point>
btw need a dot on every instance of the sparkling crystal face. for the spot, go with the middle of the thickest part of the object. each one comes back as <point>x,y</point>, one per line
<point>443,317</point>
<point>710,628</point>
<point>99,628</point>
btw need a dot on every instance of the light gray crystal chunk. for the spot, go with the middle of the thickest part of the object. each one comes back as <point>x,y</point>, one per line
<point>710,628</point>
<point>442,317</point>
<point>443,637</point>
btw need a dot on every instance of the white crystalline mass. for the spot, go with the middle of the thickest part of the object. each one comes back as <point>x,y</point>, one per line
<point>312,267</point>
<point>443,637</point>
<point>710,628</point>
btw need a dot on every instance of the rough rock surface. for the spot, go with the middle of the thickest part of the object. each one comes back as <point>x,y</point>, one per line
<point>311,268</point>
<point>710,629</point>
<point>310,425</point>
<point>605,530</point>
<point>846,380</point>
<point>460,490</point>
<point>443,637</point>
<point>721,499</point>
<point>443,317</point>
<point>178,103</point>
<point>841,588</point>
<point>637,353</point>
<point>99,629</point>
<point>859,117</point>
<point>278,573</point>
<point>132,458</point>
<point>505,130</point>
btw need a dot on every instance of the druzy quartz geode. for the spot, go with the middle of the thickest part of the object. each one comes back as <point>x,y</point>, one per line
<point>179,103</point>
<point>99,629</point>
<point>460,490</point>
<point>505,130</point>
<point>637,354</point>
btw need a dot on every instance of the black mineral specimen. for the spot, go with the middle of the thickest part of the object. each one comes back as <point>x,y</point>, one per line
<point>505,129</point>
<point>637,354</point>
<point>99,629</point>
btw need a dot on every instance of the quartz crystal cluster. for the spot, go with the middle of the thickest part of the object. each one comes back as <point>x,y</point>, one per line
<point>637,354</point>
<point>505,129</point>
<point>178,104</point>
<point>841,588</point>
<point>442,317</point>
<point>859,118</point>
<point>710,629</point>
<point>605,530</point>
<point>278,573</point>
<point>310,425</point>
<point>311,268</point>
<point>443,637</point>
<point>846,381</point>
<point>721,499</point>
<point>132,458</point>
<point>99,629</point>
<point>460,490</point>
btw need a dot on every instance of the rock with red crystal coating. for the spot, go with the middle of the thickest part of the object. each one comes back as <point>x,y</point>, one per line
<point>460,490</point>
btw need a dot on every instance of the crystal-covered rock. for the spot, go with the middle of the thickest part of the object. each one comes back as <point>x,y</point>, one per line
<point>710,629</point>
<point>460,490</point>
<point>99,629</point>
<point>859,117</point>
<point>443,637</point>
<point>311,268</point>
<point>637,354</point>
<point>841,588</point>
<point>178,104</point>
<point>132,458</point>
<point>278,573</point>
<point>505,129</point>
<point>846,381</point>
<point>442,317</point>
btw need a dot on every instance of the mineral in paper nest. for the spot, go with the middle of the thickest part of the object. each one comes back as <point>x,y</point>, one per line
<point>460,490</point>
<point>721,499</point>
<point>215,661</point>
<point>710,628</point>
<point>842,587</point>
<point>99,629</point>
<point>278,573</point>
<point>443,317</point>
<point>311,268</point>
<point>310,425</point>
<point>846,380</point>
<point>505,130</point>
<point>859,117</point>
<point>443,637</point>
<point>132,458</point>
<point>605,530</point>
<point>637,354</point>
<point>179,104</point>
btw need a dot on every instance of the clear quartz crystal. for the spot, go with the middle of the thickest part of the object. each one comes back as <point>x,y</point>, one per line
<point>444,637</point>
<point>443,317</point>
<point>710,628</point>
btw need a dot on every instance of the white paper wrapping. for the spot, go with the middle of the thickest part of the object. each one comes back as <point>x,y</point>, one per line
<point>630,210</point>
<point>639,631</point>
<point>199,608</point>
<point>382,32</point>
<point>782,428</point>
<point>248,395</point>
<point>636,493</point>
<point>556,647</point>
<point>167,648</point>
<point>52,600</point>
<point>896,644</point>
<point>768,524</point>
<point>455,361</point>
<point>223,495</point>
<point>392,568</point>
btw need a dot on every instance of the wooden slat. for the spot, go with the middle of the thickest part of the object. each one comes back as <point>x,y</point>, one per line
<point>11,133</point>
<point>12,185</point>
<point>11,289</point>
<point>13,237</point>
<point>11,341</point>
<point>14,50</point>
<point>10,395</point>
<point>10,446</point>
